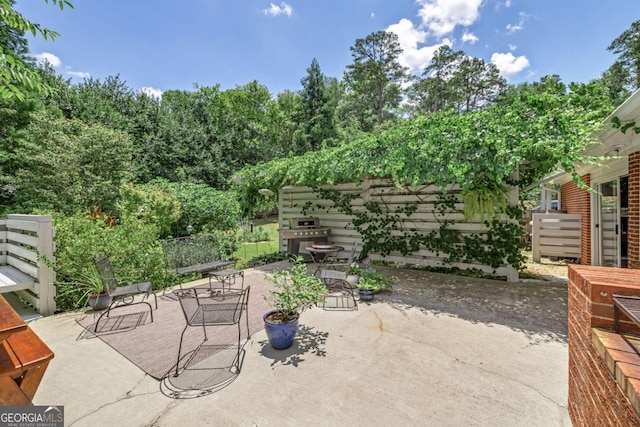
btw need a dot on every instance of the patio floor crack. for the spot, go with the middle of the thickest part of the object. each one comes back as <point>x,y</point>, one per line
<point>128,395</point>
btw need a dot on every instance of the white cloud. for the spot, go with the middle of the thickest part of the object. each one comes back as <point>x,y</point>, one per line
<point>512,28</point>
<point>442,16</point>
<point>469,37</point>
<point>507,3</point>
<point>152,92</point>
<point>43,57</point>
<point>409,37</point>
<point>512,47</point>
<point>80,74</point>
<point>508,64</point>
<point>373,15</point>
<point>275,10</point>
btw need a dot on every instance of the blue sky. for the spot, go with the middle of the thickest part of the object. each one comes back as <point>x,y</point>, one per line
<point>161,45</point>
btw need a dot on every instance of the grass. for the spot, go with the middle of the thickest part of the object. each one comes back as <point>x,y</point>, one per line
<point>249,250</point>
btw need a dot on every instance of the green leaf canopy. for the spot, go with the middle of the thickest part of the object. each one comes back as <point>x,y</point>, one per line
<point>527,136</point>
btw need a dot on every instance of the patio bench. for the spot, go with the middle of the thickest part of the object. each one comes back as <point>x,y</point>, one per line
<point>194,255</point>
<point>26,260</point>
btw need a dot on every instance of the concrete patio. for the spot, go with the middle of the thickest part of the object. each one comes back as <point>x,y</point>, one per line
<point>440,350</point>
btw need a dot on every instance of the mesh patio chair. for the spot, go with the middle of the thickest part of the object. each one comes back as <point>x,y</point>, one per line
<point>121,295</point>
<point>341,285</point>
<point>210,307</point>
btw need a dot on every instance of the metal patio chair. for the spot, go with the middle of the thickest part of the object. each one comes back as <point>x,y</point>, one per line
<point>342,286</point>
<point>211,307</point>
<point>121,295</point>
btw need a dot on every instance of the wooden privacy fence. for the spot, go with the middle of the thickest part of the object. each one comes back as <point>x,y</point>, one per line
<point>26,259</point>
<point>389,198</point>
<point>556,235</point>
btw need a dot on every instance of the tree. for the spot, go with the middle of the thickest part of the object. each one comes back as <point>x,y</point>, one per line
<point>627,46</point>
<point>455,81</point>
<point>374,79</point>
<point>477,84</point>
<point>316,115</point>
<point>617,80</point>
<point>433,93</point>
<point>17,76</point>
<point>66,165</point>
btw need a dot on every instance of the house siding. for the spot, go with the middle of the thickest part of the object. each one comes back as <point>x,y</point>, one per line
<point>633,231</point>
<point>578,201</point>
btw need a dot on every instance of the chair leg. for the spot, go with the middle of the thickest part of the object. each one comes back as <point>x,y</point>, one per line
<point>180,349</point>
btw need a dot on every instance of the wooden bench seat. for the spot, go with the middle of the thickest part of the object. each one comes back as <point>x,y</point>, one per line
<point>24,358</point>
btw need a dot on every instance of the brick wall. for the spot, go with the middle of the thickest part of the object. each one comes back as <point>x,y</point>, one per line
<point>594,396</point>
<point>577,201</point>
<point>633,232</point>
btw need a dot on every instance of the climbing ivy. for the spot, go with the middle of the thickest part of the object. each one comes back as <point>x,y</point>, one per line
<point>384,231</point>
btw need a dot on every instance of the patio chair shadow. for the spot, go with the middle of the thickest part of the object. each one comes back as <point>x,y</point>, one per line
<point>308,341</point>
<point>115,323</point>
<point>204,371</point>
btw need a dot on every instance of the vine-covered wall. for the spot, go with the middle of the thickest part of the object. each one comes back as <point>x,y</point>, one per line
<point>419,225</point>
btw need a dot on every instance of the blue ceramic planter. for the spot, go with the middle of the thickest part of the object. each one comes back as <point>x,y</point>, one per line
<point>280,335</point>
<point>366,294</point>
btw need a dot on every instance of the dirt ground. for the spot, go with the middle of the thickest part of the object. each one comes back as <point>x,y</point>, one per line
<point>546,269</point>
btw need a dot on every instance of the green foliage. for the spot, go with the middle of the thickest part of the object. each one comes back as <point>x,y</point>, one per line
<point>66,165</point>
<point>489,202</point>
<point>373,280</point>
<point>316,113</point>
<point>201,206</point>
<point>453,80</point>
<point>627,47</point>
<point>17,77</point>
<point>259,234</point>
<point>151,206</point>
<point>527,134</point>
<point>132,247</point>
<point>384,232</point>
<point>294,290</point>
<point>269,258</point>
<point>374,79</point>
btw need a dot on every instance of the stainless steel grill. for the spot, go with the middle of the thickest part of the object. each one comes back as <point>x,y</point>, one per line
<point>303,230</point>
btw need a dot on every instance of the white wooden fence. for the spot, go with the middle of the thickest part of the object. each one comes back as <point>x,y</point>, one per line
<point>389,198</point>
<point>26,259</point>
<point>556,235</point>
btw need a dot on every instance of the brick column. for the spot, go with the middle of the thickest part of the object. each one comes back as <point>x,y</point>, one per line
<point>633,232</point>
<point>594,396</point>
<point>578,201</point>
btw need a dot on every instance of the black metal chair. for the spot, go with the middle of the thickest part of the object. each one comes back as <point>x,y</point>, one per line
<point>212,307</point>
<point>121,295</point>
<point>341,285</point>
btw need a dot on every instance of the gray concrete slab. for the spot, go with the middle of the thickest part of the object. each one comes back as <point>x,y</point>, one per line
<point>439,351</point>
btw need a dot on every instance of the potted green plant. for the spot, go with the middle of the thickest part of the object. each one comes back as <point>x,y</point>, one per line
<point>90,290</point>
<point>366,288</point>
<point>371,282</point>
<point>294,291</point>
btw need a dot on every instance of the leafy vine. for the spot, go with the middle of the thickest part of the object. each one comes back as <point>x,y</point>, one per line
<point>385,231</point>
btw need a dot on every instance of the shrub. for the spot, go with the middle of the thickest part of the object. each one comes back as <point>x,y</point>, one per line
<point>267,259</point>
<point>132,246</point>
<point>202,207</point>
<point>151,206</point>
